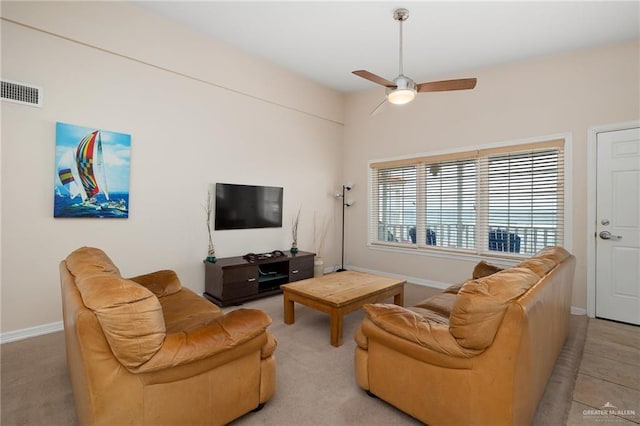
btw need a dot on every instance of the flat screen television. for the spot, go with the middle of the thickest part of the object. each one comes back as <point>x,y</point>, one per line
<point>247,206</point>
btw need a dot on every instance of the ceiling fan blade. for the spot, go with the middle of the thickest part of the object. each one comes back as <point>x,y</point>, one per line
<point>379,107</point>
<point>445,85</point>
<point>374,78</point>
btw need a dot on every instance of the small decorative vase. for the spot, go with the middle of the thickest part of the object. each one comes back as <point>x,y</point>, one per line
<point>318,267</point>
<point>294,248</point>
<point>211,259</point>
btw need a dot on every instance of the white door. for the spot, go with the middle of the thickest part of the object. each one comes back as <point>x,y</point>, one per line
<point>618,226</point>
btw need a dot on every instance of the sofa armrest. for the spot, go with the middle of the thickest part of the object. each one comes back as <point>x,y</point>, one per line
<point>161,283</point>
<point>426,337</point>
<point>223,334</point>
<point>361,339</point>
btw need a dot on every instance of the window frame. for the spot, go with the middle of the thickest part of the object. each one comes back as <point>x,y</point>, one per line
<point>486,149</point>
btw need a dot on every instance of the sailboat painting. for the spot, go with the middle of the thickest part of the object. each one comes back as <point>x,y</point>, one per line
<point>92,173</point>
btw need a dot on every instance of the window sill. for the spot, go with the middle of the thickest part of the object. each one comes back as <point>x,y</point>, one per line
<point>502,260</point>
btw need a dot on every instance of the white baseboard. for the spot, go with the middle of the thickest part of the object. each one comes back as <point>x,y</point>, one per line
<point>25,333</point>
<point>578,311</point>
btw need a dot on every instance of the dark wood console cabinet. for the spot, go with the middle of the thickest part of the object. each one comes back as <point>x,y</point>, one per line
<point>233,280</point>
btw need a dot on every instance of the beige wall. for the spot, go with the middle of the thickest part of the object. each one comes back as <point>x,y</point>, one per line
<point>200,112</point>
<point>229,118</point>
<point>564,94</point>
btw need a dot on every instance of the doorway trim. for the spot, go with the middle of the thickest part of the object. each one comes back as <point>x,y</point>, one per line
<point>592,139</point>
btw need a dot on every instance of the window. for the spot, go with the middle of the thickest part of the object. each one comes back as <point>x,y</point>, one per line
<point>395,202</point>
<point>508,199</point>
<point>449,202</point>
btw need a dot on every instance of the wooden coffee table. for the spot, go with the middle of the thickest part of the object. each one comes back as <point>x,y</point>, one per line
<point>338,294</point>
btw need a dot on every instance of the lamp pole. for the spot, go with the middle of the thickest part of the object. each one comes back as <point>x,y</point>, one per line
<point>344,204</point>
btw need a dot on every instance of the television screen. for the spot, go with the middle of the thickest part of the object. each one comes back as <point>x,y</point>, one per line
<point>248,206</point>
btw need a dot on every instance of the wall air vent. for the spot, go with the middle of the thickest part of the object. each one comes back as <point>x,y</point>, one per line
<point>21,93</point>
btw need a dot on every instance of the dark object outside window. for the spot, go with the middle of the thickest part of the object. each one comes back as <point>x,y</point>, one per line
<point>500,240</point>
<point>431,236</point>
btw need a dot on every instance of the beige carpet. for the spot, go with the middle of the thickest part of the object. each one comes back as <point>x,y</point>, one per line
<point>315,382</point>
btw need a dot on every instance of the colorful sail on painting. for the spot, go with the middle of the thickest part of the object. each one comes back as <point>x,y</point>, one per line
<point>89,161</point>
<point>66,177</point>
<point>85,158</point>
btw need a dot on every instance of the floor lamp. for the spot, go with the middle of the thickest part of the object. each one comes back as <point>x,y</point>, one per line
<point>345,203</point>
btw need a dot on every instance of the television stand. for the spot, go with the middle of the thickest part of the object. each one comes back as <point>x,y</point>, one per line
<point>234,280</point>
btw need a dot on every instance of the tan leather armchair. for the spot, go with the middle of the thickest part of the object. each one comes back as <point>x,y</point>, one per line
<point>146,350</point>
<point>476,354</point>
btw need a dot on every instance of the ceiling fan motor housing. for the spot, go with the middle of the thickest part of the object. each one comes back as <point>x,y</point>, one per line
<point>401,14</point>
<point>404,92</point>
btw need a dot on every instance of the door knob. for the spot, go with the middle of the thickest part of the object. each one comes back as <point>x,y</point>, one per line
<point>606,235</point>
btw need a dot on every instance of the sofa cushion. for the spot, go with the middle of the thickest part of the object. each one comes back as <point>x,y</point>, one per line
<point>453,289</point>
<point>555,253</point>
<point>184,311</point>
<point>480,305</point>
<point>130,316</point>
<point>161,283</point>
<point>538,265</point>
<point>415,328</point>
<point>484,269</point>
<point>441,303</point>
<point>430,315</point>
<point>90,260</point>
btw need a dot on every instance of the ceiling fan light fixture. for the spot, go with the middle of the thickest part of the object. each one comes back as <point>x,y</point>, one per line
<point>401,96</point>
<point>404,91</point>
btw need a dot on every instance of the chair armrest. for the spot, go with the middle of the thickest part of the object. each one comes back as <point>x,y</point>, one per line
<point>269,347</point>
<point>223,334</point>
<point>415,335</point>
<point>161,283</point>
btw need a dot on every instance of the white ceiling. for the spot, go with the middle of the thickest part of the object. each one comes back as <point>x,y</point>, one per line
<point>325,41</point>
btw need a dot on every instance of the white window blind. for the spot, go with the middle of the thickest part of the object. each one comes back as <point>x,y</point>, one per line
<point>393,204</point>
<point>499,201</point>
<point>450,198</point>
<point>523,204</point>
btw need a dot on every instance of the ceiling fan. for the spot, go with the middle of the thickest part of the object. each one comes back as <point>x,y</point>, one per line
<point>402,89</point>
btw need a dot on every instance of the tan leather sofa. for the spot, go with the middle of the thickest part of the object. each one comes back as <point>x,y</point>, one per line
<point>476,354</point>
<point>146,350</point>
